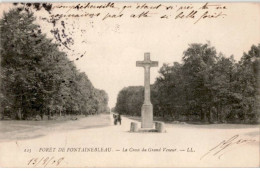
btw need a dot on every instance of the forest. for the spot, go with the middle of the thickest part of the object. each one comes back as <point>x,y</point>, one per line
<point>38,79</point>
<point>205,87</point>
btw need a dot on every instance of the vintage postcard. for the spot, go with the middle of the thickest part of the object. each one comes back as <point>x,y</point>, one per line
<point>129,84</point>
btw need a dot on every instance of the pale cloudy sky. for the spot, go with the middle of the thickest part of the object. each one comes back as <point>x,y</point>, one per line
<point>113,46</point>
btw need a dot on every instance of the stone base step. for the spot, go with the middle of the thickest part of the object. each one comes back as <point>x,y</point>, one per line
<point>159,127</point>
<point>147,130</point>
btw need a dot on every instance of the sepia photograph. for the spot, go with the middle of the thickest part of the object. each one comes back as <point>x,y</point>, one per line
<point>129,84</point>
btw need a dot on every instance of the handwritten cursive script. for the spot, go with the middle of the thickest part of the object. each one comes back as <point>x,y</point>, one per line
<point>164,11</point>
<point>220,149</point>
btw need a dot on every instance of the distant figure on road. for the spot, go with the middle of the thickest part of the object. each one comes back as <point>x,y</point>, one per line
<point>117,118</point>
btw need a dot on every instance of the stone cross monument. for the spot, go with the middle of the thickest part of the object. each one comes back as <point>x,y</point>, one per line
<point>147,108</point>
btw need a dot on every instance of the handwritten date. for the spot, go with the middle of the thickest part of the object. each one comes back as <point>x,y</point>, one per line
<point>45,162</point>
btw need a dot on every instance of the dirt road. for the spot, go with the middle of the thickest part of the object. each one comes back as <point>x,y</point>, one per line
<point>115,146</point>
<point>11,130</point>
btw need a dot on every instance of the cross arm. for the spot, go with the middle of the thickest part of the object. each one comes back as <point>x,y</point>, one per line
<point>154,64</point>
<point>144,63</point>
<point>139,63</point>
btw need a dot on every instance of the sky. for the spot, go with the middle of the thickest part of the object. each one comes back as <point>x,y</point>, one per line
<point>112,46</point>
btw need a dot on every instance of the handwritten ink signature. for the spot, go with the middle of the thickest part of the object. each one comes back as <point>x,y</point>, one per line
<point>223,146</point>
<point>45,161</point>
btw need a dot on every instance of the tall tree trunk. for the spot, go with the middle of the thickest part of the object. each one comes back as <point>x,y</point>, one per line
<point>217,113</point>
<point>19,114</point>
<point>201,114</point>
<point>209,115</point>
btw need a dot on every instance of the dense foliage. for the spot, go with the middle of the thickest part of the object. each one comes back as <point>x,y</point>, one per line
<point>37,78</point>
<point>206,87</point>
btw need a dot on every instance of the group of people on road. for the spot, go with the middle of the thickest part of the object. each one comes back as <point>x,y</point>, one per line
<point>117,118</point>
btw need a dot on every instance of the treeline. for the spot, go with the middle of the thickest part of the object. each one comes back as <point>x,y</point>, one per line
<point>39,79</point>
<point>206,86</point>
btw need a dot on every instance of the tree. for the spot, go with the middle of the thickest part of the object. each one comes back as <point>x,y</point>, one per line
<point>37,78</point>
<point>130,100</point>
<point>167,92</point>
<point>198,61</point>
<point>206,86</point>
<point>248,78</point>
